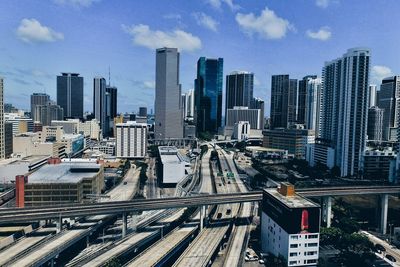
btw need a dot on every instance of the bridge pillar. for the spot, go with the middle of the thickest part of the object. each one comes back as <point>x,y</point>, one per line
<point>327,210</point>
<point>202,217</point>
<point>59,224</point>
<point>384,212</point>
<point>124,224</point>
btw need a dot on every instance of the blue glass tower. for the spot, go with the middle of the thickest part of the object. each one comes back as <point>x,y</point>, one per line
<point>208,95</point>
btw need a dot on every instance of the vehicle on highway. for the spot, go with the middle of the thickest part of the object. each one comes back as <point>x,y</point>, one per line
<point>390,257</point>
<point>379,247</point>
<point>219,215</point>
<point>125,183</point>
<point>228,211</point>
<point>261,262</point>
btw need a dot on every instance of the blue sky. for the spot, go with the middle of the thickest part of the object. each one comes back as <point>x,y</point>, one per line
<point>40,39</point>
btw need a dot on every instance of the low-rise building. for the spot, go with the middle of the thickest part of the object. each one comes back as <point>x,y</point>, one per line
<point>379,164</point>
<point>290,226</point>
<point>266,153</point>
<point>29,144</point>
<point>320,152</point>
<point>241,130</point>
<point>171,166</point>
<point>60,183</point>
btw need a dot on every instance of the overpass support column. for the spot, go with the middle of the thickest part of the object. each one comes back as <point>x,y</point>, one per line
<point>59,224</point>
<point>124,224</point>
<point>327,210</point>
<point>202,216</point>
<point>384,212</point>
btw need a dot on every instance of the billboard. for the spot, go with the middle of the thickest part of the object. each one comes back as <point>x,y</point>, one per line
<point>294,220</point>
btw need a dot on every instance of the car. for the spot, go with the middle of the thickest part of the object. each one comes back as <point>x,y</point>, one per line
<point>390,257</point>
<point>380,247</point>
<point>261,262</point>
<point>228,211</point>
<point>219,215</point>
<point>125,183</point>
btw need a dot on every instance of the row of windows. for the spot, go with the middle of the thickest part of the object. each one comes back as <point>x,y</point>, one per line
<point>305,262</point>
<point>307,253</point>
<point>306,245</point>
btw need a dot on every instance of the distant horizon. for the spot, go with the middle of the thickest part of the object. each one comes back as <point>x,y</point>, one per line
<point>41,40</point>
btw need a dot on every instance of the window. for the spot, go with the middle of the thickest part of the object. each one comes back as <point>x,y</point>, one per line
<point>293,254</point>
<point>294,237</point>
<point>312,236</point>
<point>292,262</point>
<point>312,244</point>
<point>311,261</point>
<point>310,253</point>
<point>294,245</point>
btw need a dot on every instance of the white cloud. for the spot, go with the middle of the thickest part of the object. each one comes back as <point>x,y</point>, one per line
<point>322,3</point>
<point>268,25</point>
<point>149,84</point>
<point>172,16</point>
<point>217,4</point>
<point>30,30</point>
<point>142,35</point>
<point>206,21</point>
<point>323,34</point>
<point>380,72</point>
<point>76,3</point>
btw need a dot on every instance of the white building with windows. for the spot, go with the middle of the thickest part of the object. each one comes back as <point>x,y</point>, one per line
<point>131,140</point>
<point>290,226</point>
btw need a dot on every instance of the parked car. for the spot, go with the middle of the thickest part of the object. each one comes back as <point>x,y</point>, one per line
<point>390,257</point>
<point>379,247</point>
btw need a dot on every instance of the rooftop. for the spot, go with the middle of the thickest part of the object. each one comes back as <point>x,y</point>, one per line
<point>295,201</point>
<point>65,172</point>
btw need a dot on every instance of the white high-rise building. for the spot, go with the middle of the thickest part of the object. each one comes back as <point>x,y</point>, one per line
<point>131,140</point>
<point>344,112</point>
<point>188,105</point>
<point>2,144</point>
<point>168,106</point>
<point>313,104</point>
<point>372,95</point>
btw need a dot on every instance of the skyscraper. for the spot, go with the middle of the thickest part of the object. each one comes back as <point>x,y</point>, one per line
<point>188,104</point>
<point>113,92</point>
<point>38,99</point>
<point>2,142</point>
<point>208,94</point>
<point>70,94</point>
<point>101,103</point>
<point>168,106</point>
<point>143,111</point>
<point>374,126</point>
<point>389,100</point>
<point>302,96</point>
<point>283,101</point>
<point>239,89</point>
<point>345,100</point>
<point>372,95</point>
<point>47,113</point>
<point>258,103</point>
<point>312,103</point>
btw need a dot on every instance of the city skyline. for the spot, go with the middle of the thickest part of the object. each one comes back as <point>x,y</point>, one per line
<point>34,44</point>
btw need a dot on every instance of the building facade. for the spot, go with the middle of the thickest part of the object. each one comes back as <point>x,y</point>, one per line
<point>44,114</point>
<point>188,105</point>
<point>290,226</point>
<point>8,139</point>
<point>38,99</point>
<point>239,89</point>
<point>302,98</point>
<point>313,103</point>
<point>236,114</point>
<point>283,101</point>
<point>131,140</point>
<point>375,123</point>
<point>344,113</point>
<point>168,106</point>
<point>389,101</point>
<point>70,94</point>
<point>208,95</point>
<point>372,95</point>
<point>2,141</point>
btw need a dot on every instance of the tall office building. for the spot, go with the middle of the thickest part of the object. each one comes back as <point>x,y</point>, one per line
<point>143,111</point>
<point>8,139</point>
<point>389,100</point>
<point>238,114</point>
<point>38,99</point>
<point>302,97</point>
<point>112,92</point>
<point>188,105</point>
<point>258,103</point>
<point>208,94</point>
<point>101,104</point>
<point>2,142</point>
<point>239,89</point>
<point>374,126</point>
<point>345,100</point>
<point>372,95</point>
<point>46,113</point>
<point>313,104</point>
<point>283,101</point>
<point>168,106</point>
<point>70,94</point>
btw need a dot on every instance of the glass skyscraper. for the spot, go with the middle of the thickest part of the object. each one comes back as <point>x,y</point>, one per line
<point>70,94</point>
<point>208,94</point>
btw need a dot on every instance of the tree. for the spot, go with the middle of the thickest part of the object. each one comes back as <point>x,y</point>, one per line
<point>331,236</point>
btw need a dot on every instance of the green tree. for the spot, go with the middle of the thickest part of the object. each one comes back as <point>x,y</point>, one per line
<point>331,236</point>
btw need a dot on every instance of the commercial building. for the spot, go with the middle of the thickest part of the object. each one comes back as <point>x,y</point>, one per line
<point>44,114</point>
<point>344,102</point>
<point>253,116</point>
<point>9,168</point>
<point>302,98</point>
<point>258,103</point>
<point>70,94</point>
<point>389,101</point>
<point>313,103</point>
<point>188,105</point>
<point>189,131</point>
<point>20,124</point>
<point>266,153</point>
<point>208,95</point>
<point>375,123</point>
<point>372,95</point>
<point>320,152</point>
<point>283,101</point>
<point>143,112</point>
<point>75,126</point>
<point>290,226</point>
<point>2,143</point>
<point>293,140</point>
<point>168,106</point>
<point>131,140</point>
<point>101,104</point>
<point>38,99</point>
<point>239,89</point>
<point>60,183</point>
<point>112,92</point>
<point>8,139</point>
<point>30,144</point>
<point>241,130</point>
<point>379,164</point>
<point>170,166</point>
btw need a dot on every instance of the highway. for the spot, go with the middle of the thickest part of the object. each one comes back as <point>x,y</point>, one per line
<point>37,255</point>
<point>395,252</point>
